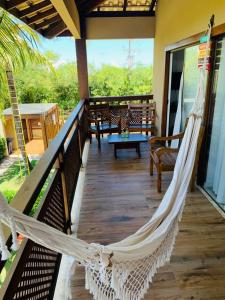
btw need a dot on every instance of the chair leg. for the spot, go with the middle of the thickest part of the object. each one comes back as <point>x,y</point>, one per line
<point>99,140</point>
<point>90,138</point>
<point>151,166</point>
<point>159,181</point>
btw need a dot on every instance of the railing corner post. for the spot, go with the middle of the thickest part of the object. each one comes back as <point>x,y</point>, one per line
<point>64,190</point>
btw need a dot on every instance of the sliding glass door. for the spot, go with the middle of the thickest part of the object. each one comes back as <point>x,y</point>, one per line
<point>215,173</point>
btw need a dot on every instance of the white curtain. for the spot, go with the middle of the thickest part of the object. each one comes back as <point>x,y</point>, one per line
<point>177,122</point>
<point>216,163</point>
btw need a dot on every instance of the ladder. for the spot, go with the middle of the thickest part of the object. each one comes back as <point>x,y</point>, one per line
<point>17,120</point>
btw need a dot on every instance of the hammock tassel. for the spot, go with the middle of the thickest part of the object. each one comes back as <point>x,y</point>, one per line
<point>15,244</point>
<point>4,249</point>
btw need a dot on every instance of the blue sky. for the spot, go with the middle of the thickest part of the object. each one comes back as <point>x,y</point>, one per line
<point>112,52</point>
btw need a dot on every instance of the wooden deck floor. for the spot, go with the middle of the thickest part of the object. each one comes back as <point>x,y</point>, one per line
<point>120,196</point>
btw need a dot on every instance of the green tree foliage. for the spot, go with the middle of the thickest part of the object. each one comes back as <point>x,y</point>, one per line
<point>118,81</point>
<point>36,84</point>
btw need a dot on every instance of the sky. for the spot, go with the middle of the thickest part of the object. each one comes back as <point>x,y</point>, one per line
<point>114,52</point>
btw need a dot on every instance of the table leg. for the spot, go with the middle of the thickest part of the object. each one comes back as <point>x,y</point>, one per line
<point>138,149</point>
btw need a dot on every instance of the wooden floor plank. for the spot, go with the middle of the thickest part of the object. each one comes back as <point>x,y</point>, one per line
<point>120,196</point>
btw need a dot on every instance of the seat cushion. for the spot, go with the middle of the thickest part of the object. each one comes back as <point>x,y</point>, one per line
<point>105,127</point>
<point>141,126</point>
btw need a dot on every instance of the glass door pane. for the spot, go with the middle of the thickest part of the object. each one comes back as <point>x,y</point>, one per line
<point>215,182</point>
<point>190,85</point>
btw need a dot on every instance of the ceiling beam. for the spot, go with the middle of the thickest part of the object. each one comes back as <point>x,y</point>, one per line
<point>54,30</point>
<point>68,11</point>
<point>47,22</point>
<point>90,5</point>
<point>152,5</point>
<point>13,3</point>
<point>40,16</point>
<point>111,14</point>
<point>33,8</point>
<point>125,5</point>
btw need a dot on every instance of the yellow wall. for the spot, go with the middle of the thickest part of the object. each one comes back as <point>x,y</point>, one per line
<point>176,20</point>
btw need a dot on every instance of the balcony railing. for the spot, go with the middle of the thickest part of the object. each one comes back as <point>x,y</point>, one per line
<point>34,270</point>
<point>121,100</point>
<point>50,187</point>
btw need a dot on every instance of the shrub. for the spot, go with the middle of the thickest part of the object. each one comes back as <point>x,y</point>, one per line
<point>2,148</point>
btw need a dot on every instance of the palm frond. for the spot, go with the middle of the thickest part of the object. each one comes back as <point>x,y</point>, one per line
<point>18,44</point>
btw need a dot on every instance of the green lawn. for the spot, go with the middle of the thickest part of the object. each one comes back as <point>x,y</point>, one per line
<point>12,179</point>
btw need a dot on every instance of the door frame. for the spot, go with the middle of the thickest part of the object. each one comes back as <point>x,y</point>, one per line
<point>217,32</point>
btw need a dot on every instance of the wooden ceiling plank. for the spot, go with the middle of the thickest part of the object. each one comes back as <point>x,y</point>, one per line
<point>91,5</point>
<point>41,16</point>
<point>54,30</point>
<point>33,8</point>
<point>68,12</point>
<point>47,22</point>
<point>14,3</point>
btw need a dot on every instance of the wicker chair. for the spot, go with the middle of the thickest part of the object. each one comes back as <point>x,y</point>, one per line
<point>162,156</point>
<point>141,117</point>
<point>100,121</point>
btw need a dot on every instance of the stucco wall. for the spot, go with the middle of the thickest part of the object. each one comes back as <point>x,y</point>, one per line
<point>176,20</point>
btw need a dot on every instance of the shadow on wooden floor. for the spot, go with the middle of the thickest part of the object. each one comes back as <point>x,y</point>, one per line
<point>120,196</point>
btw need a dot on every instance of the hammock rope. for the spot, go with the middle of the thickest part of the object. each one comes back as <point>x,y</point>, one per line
<point>125,269</point>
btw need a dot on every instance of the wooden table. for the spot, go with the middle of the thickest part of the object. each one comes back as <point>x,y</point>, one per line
<point>131,142</point>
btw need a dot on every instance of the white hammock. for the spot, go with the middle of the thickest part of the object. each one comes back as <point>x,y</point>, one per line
<point>122,270</point>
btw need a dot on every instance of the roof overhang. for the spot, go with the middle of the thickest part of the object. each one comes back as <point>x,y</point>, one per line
<point>68,11</point>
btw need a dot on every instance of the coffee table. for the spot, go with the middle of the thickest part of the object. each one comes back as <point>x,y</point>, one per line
<point>131,142</point>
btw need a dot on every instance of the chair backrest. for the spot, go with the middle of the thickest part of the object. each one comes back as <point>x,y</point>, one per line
<point>142,113</point>
<point>100,112</point>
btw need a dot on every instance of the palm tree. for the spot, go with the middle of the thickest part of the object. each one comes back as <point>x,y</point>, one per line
<point>18,46</point>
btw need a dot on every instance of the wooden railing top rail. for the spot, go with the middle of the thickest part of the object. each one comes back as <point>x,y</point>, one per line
<point>30,189</point>
<point>120,98</point>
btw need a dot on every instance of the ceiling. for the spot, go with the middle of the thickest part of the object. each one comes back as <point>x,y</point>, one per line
<point>43,17</point>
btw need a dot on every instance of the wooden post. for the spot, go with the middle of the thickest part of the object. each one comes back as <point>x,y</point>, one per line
<point>44,135</point>
<point>82,68</point>
<point>28,129</point>
<point>79,137</point>
<point>65,195</point>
